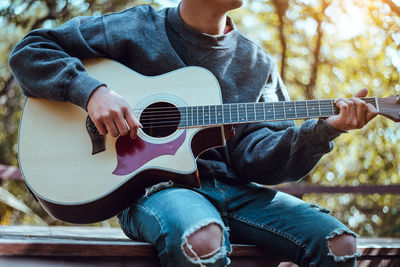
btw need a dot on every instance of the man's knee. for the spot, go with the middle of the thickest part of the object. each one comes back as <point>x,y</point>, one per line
<point>343,245</point>
<point>204,242</point>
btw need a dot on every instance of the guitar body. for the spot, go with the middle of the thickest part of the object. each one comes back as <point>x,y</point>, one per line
<point>74,185</point>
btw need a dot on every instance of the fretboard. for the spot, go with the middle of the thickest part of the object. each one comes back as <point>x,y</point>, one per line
<point>197,116</point>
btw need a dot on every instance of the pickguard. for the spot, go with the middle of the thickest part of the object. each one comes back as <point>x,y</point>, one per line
<point>134,153</point>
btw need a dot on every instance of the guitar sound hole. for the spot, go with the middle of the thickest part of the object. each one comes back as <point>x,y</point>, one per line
<point>160,119</point>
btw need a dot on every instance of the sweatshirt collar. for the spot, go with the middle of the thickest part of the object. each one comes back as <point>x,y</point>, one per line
<point>201,39</point>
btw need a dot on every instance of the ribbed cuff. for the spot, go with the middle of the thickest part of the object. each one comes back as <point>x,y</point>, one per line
<point>81,88</point>
<point>320,134</point>
<point>326,131</point>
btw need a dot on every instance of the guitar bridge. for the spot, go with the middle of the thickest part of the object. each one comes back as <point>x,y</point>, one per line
<point>98,144</point>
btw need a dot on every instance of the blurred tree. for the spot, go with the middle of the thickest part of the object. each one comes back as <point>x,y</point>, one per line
<point>331,49</point>
<point>17,18</point>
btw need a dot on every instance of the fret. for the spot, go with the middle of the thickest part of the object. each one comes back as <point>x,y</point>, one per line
<point>192,113</point>
<point>245,112</point>
<point>191,116</point>
<point>212,115</point>
<point>242,113</point>
<point>255,112</point>
<point>219,114</point>
<point>207,115</point>
<point>216,112</point>
<point>273,109</point>
<point>235,113</point>
<point>313,110</point>
<point>226,112</point>
<point>376,103</point>
<point>295,110</point>
<point>250,112</point>
<point>187,116</point>
<point>222,114</point>
<point>270,111</point>
<point>333,106</point>
<point>301,109</point>
<point>204,115</point>
<point>238,116</point>
<point>279,110</point>
<point>308,115</point>
<point>290,110</point>
<point>182,113</point>
<point>264,110</point>
<point>319,108</point>
<point>201,115</point>
<point>238,113</point>
<point>230,112</point>
<point>284,110</point>
<point>259,112</point>
<point>195,116</point>
<point>326,108</point>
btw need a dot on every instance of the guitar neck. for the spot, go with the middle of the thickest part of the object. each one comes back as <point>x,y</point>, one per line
<point>218,115</point>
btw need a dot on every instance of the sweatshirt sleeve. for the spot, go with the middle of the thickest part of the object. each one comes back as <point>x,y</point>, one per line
<point>277,152</point>
<point>45,63</point>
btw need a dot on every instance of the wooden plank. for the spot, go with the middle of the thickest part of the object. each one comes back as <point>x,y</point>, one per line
<point>117,262</point>
<point>85,241</point>
<point>383,242</point>
<point>81,241</point>
<point>56,246</point>
<point>360,189</point>
<point>73,241</point>
<point>96,246</point>
<point>78,261</point>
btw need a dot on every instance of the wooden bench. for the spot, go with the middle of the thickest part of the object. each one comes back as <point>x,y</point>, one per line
<point>92,246</point>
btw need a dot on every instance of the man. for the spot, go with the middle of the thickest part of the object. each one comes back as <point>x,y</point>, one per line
<point>189,226</point>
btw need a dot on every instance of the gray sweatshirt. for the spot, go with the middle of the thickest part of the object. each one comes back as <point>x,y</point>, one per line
<point>45,64</point>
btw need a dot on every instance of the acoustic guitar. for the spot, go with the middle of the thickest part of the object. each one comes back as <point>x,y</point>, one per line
<point>80,176</point>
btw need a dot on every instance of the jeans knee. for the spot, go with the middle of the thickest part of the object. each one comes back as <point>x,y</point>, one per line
<point>204,242</point>
<point>344,244</point>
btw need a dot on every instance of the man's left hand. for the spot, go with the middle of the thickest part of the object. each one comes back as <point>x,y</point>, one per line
<point>354,113</point>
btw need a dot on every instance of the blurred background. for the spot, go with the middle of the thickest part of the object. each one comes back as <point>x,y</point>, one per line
<point>324,49</point>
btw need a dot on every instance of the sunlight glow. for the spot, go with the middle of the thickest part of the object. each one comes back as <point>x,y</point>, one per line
<point>168,3</point>
<point>4,3</point>
<point>350,23</point>
<point>394,56</point>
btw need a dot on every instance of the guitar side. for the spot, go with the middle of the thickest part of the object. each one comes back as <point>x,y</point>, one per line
<point>55,151</point>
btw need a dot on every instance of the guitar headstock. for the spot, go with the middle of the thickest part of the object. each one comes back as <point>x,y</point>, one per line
<point>390,107</point>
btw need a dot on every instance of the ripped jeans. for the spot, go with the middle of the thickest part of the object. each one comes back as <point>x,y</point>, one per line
<point>276,221</point>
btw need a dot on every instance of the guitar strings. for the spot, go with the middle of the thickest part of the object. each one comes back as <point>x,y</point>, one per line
<point>279,104</point>
<point>162,114</point>
<point>172,116</point>
<point>370,100</point>
<point>175,122</point>
<point>168,114</point>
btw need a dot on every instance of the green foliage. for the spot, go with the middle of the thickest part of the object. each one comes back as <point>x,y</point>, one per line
<point>324,48</point>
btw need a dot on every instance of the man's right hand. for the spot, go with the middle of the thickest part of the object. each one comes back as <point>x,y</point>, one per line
<point>112,114</point>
